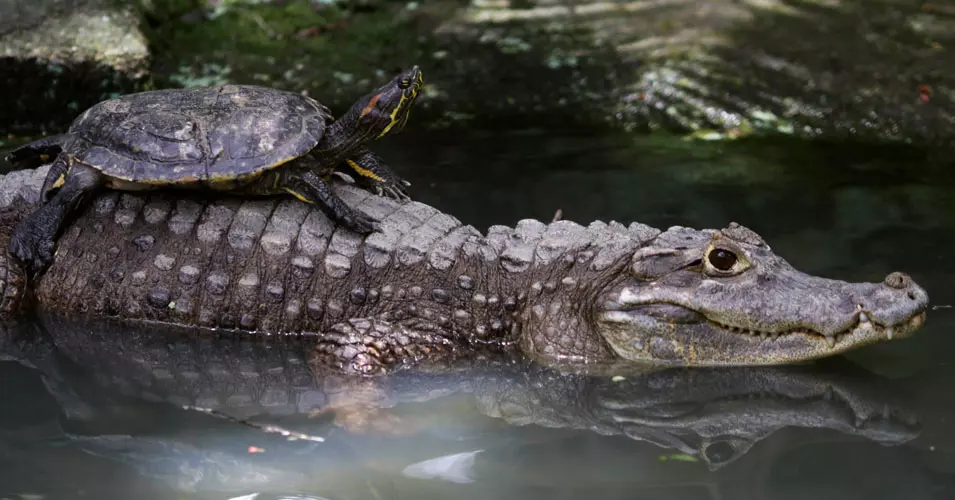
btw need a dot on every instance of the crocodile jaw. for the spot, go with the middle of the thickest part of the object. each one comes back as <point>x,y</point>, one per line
<point>642,338</point>
<point>641,328</point>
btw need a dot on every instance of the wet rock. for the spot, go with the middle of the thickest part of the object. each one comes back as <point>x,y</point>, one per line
<point>58,57</point>
<point>717,69</point>
<point>723,68</point>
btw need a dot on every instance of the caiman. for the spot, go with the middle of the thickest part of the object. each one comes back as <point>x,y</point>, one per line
<point>425,285</point>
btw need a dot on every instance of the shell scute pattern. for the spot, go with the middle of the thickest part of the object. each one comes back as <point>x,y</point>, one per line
<point>168,137</point>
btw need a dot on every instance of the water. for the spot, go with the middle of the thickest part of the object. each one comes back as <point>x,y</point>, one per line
<point>92,419</point>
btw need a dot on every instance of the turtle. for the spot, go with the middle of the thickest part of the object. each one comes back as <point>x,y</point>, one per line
<point>242,139</point>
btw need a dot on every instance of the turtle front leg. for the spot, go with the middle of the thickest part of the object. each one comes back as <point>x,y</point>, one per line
<point>376,176</point>
<point>32,241</point>
<point>307,186</point>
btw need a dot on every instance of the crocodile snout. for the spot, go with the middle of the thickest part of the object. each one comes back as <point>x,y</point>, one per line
<point>903,282</point>
<point>908,293</point>
<point>898,302</point>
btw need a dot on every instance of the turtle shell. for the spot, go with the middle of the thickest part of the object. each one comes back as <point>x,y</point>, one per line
<point>181,136</point>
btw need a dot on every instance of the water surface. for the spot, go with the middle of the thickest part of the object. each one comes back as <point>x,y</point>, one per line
<point>84,419</point>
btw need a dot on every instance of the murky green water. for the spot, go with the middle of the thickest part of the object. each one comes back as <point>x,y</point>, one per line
<point>81,421</point>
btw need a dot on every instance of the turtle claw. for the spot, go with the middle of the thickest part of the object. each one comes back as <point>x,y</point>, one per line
<point>396,193</point>
<point>359,223</point>
<point>377,177</point>
<point>33,250</point>
<point>384,189</point>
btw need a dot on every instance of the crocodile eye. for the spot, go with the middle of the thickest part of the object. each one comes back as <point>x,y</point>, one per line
<point>722,260</point>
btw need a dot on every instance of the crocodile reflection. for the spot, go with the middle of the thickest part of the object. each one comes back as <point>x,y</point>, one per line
<point>715,415</point>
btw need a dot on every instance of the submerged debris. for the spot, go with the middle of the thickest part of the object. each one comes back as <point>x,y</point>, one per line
<point>268,428</point>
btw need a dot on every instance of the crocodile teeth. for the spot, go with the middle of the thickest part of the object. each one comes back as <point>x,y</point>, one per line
<point>831,341</point>
<point>863,318</point>
<point>889,331</point>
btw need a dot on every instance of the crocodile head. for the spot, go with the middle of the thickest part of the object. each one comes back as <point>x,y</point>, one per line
<point>724,298</point>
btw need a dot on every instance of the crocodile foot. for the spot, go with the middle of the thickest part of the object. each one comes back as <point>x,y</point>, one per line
<point>363,419</point>
<point>373,346</point>
<point>359,405</point>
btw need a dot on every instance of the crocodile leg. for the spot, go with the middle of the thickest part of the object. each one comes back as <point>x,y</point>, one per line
<point>376,176</point>
<point>373,346</point>
<point>33,238</point>
<point>358,404</point>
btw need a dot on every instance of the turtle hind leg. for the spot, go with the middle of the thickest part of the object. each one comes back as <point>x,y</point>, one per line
<point>32,241</point>
<point>36,153</point>
<point>374,175</point>
<point>55,179</point>
<point>309,187</point>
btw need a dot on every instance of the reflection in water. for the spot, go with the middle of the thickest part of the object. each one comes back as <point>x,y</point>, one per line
<point>99,414</point>
<point>120,395</point>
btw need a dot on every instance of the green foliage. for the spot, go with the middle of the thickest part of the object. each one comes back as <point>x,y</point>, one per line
<point>338,50</point>
<point>297,45</point>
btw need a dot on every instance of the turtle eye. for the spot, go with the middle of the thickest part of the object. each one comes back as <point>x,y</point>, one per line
<point>404,83</point>
<point>722,259</point>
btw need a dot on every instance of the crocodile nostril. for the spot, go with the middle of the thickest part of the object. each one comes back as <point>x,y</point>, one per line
<point>898,280</point>
<point>911,295</point>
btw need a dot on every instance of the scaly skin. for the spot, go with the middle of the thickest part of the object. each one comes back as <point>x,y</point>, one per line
<point>426,284</point>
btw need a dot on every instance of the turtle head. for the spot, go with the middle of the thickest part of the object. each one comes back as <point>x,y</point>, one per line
<point>387,109</point>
